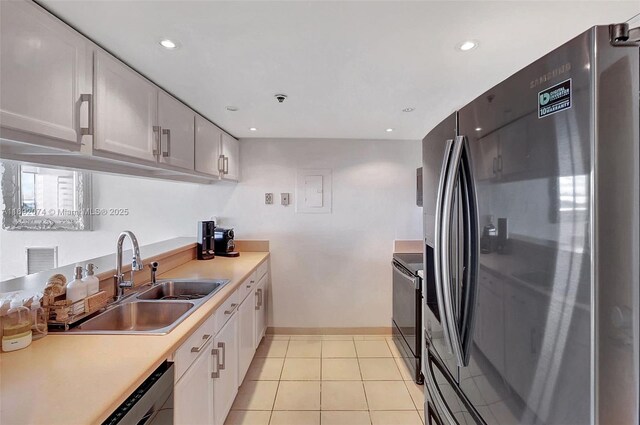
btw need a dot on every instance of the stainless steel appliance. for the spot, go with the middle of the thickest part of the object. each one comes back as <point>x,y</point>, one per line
<point>543,329</point>
<point>206,240</point>
<point>407,310</point>
<point>151,403</point>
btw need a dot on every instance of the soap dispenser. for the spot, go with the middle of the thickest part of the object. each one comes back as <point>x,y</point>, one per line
<point>91,281</point>
<point>77,291</point>
<point>16,327</point>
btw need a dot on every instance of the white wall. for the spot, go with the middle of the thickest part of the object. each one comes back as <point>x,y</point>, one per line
<point>328,270</point>
<point>158,210</point>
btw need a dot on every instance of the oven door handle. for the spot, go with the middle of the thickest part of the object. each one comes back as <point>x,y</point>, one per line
<point>411,278</point>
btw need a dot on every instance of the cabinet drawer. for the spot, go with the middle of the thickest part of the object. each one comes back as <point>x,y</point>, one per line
<point>192,347</point>
<point>247,286</point>
<point>262,269</point>
<point>225,311</point>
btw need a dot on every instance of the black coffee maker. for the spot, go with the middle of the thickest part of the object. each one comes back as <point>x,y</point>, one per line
<point>206,240</point>
<point>225,245</point>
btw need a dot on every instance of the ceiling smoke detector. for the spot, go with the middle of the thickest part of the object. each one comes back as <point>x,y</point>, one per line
<point>281,97</point>
<point>409,109</point>
<point>232,108</point>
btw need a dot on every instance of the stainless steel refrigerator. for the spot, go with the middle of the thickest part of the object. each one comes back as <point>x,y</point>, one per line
<point>531,224</point>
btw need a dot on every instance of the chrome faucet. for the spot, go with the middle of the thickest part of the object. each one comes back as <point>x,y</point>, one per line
<point>136,264</point>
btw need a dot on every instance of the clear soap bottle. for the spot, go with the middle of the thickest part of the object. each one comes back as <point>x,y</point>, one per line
<point>16,327</point>
<point>39,327</point>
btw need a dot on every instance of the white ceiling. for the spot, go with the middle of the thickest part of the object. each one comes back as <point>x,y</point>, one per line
<point>348,67</point>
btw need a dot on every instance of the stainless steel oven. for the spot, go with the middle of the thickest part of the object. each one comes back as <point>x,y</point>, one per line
<point>407,310</point>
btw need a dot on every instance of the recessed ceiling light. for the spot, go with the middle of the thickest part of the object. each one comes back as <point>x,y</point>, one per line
<point>478,128</point>
<point>389,130</point>
<point>253,129</point>
<point>232,108</point>
<point>168,44</point>
<point>467,45</point>
<point>409,109</point>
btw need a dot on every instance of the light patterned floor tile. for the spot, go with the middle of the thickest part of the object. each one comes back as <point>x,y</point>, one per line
<point>417,394</point>
<point>343,395</point>
<point>295,417</point>
<point>336,349</point>
<point>301,369</point>
<point>256,395</point>
<point>369,337</point>
<point>298,395</point>
<point>404,369</point>
<point>248,417</point>
<point>265,369</point>
<point>407,417</point>
<point>375,348</point>
<point>388,395</point>
<point>277,337</point>
<point>303,348</point>
<point>337,337</point>
<point>306,337</point>
<point>379,369</point>
<point>332,417</point>
<point>421,413</point>
<point>272,348</point>
<point>340,370</point>
<point>395,352</point>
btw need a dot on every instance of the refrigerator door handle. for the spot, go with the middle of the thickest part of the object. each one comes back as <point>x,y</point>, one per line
<point>445,239</point>
<point>437,248</point>
<point>471,252</point>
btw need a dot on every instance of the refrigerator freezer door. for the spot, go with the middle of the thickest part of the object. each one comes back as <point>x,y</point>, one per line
<point>530,143</point>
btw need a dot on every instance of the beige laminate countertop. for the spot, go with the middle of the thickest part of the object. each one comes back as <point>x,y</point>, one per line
<point>81,379</point>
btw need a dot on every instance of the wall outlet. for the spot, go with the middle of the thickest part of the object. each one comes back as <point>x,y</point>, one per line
<point>268,198</point>
<point>284,199</point>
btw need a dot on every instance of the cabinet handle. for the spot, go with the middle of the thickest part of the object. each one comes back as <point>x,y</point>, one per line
<point>222,365</point>
<point>259,295</point>
<point>88,130</point>
<point>221,164</point>
<point>500,163</point>
<point>215,374</point>
<point>226,165</point>
<point>167,132</point>
<point>158,131</point>
<point>495,165</point>
<point>206,339</point>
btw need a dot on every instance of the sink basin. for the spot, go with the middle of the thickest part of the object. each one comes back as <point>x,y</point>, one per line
<point>138,317</point>
<point>181,289</point>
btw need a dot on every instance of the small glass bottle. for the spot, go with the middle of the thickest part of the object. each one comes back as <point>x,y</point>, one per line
<point>38,320</point>
<point>16,327</point>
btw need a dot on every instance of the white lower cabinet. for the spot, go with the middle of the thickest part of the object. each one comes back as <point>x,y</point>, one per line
<point>246,335</point>
<point>261,310</point>
<point>225,378</point>
<point>193,392</point>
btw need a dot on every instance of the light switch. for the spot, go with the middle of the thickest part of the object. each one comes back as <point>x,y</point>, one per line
<point>284,199</point>
<point>313,191</point>
<point>268,198</point>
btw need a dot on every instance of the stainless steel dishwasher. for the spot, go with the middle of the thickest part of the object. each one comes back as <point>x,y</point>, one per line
<point>150,403</point>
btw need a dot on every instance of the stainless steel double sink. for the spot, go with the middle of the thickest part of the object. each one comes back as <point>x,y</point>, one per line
<point>153,311</point>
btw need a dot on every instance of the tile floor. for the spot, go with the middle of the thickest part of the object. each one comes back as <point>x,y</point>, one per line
<point>328,380</point>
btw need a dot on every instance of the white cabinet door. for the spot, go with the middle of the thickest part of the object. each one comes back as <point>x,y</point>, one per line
<point>231,160</point>
<point>45,68</point>
<point>246,335</point>
<point>193,393</point>
<point>261,310</point>
<point>177,123</point>
<point>225,385</point>
<point>208,139</point>
<point>126,106</point>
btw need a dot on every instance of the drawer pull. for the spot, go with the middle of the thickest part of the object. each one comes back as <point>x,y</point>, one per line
<point>222,365</point>
<point>206,339</point>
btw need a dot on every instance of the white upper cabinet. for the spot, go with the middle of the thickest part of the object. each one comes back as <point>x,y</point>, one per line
<point>177,123</point>
<point>208,139</point>
<point>126,106</point>
<point>44,71</point>
<point>231,159</point>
